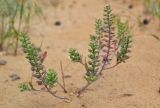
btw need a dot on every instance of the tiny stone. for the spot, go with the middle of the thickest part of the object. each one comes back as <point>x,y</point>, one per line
<point>67,76</point>
<point>127,95</point>
<point>145,21</point>
<point>130,6</point>
<point>83,106</point>
<point>3,62</point>
<point>159,90</point>
<point>57,23</point>
<point>14,77</point>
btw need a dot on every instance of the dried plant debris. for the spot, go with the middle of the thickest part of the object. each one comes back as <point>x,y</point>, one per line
<point>156,37</point>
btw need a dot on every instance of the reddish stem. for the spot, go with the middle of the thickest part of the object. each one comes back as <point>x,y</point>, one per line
<point>62,74</point>
<point>83,89</point>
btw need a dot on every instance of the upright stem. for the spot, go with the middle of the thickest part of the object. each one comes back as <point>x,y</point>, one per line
<point>2,35</point>
<point>17,36</point>
<point>62,72</point>
<point>65,91</point>
<point>16,48</point>
<point>30,84</point>
<point>83,89</point>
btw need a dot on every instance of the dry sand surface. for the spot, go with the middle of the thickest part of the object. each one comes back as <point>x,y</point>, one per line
<point>134,84</point>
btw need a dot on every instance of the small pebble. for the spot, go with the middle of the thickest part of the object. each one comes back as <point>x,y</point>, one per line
<point>14,77</point>
<point>159,90</point>
<point>83,106</point>
<point>130,6</point>
<point>145,21</point>
<point>57,23</point>
<point>127,95</point>
<point>67,76</point>
<point>3,62</point>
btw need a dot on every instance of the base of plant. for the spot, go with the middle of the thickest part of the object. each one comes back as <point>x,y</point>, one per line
<point>83,89</point>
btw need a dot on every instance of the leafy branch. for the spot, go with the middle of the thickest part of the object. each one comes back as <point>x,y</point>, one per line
<point>47,78</point>
<point>103,47</point>
<point>125,38</point>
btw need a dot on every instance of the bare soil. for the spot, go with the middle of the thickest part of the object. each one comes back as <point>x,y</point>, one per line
<point>134,84</point>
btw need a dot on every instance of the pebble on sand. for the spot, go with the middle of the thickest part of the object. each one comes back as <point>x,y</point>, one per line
<point>57,23</point>
<point>14,77</point>
<point>3,62</point>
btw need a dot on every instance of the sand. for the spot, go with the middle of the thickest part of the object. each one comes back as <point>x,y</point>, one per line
<point>134,84</point>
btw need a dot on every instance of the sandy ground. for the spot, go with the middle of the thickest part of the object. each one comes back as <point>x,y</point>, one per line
<point>134,84</point>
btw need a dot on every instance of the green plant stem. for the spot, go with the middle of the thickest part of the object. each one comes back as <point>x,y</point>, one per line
<point>17,36</point>
<point>15,50</point>
<point>2,35</point>
<point>17,39</point>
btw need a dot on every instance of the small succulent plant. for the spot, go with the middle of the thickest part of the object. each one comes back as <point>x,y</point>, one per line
<point>24,87</point>
<point>47,77</point>
<point>50,78</point>
<point>74,55</point>
<point>104,45</point>
<point>93,63</point>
